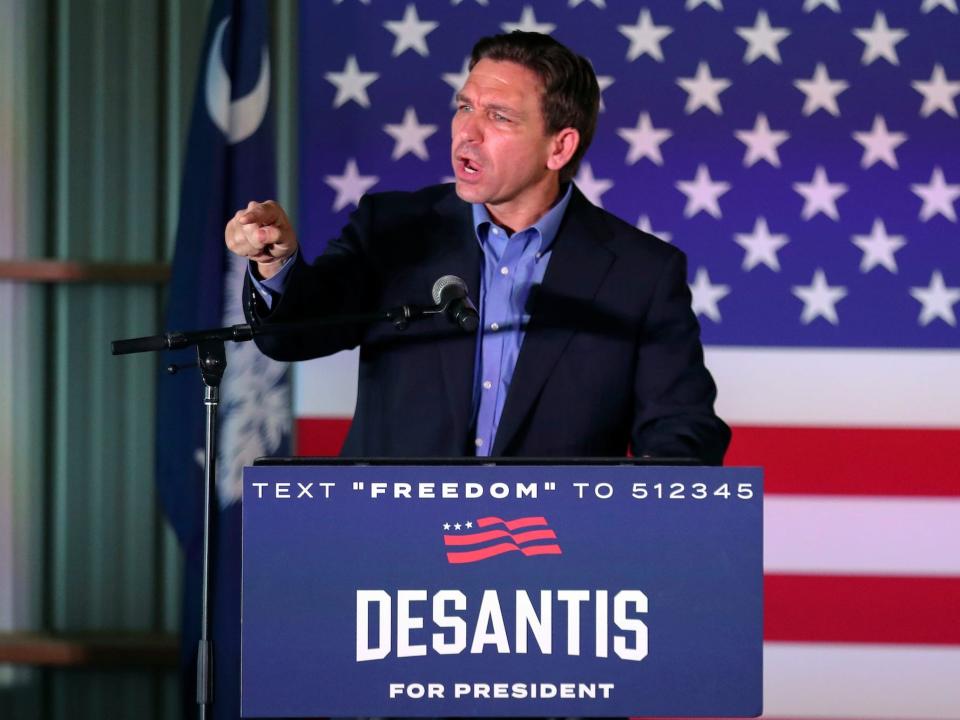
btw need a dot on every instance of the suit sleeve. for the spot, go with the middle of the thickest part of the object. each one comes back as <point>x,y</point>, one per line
<point>673,390</point>
<point>344,279</point>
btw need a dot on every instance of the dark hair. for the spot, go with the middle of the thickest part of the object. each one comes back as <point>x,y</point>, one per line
<point>571,95</point>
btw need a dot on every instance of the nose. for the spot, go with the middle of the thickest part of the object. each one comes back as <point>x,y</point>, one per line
<point>468,127</point>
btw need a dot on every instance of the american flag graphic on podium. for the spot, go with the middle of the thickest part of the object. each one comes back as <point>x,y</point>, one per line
<point>805,154</point>
<point>488,537</point>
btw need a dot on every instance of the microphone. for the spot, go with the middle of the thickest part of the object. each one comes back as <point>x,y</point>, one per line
<point>450,293</point>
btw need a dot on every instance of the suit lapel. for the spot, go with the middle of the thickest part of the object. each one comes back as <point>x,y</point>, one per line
<point>578,264</point>
<point>460,255</point>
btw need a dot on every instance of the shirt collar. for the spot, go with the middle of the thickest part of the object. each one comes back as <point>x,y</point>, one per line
<point>547,226</point>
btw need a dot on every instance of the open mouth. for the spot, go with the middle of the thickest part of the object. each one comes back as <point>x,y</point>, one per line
<point>468,167</point>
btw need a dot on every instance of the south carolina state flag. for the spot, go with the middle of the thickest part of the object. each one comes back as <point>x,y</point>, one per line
<point>230,160</point>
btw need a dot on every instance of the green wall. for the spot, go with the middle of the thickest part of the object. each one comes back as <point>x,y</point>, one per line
<point>95,96</point>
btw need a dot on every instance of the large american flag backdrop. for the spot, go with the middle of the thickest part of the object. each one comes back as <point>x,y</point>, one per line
<point>806,156</point>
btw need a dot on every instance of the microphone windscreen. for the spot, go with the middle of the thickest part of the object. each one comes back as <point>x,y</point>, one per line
<point>448,281</point>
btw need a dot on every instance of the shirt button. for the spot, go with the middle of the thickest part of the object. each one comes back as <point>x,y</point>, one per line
<point>504,270</point>
<point>539,255</point>
<point>494,326</point>
<point>496,231</point>
<point>487,384</point>
<point>478,442</point>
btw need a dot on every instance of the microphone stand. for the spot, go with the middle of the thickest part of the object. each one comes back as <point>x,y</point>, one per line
<point>212,361</point>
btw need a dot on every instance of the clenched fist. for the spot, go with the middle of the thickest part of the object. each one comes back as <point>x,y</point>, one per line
<point>262,233</point>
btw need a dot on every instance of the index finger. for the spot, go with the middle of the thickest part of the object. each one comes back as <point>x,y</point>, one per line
<point>259,213</point>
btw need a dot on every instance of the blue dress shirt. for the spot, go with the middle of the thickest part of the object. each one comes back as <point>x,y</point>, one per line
<point>512,265</point>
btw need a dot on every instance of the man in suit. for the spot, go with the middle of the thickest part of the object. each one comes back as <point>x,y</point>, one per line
<point>587,344</point>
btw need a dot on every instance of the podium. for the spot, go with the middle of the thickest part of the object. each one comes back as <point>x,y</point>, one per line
<point>501,588</point>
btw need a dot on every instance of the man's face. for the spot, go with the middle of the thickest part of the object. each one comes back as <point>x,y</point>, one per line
<point>500,144</point>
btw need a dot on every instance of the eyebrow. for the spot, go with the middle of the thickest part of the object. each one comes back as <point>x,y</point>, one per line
<point>505,109</point>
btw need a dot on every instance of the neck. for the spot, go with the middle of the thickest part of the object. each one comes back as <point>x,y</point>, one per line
<point>522,212</point>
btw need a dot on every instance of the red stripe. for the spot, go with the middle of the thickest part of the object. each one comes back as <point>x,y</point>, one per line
<point>868,609</point>
<point>519,538</point>
<point>798,460</point>
<point>542,550</point>
<point>851,461</point>
<point>512,524</point>
<point>321,437</point>
<point>488,552</point>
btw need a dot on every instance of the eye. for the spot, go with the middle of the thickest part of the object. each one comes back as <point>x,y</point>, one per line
<point>499,117</point>
<point>464,107</point>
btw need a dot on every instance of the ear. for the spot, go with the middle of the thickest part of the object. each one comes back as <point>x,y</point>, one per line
<point>563,146</point>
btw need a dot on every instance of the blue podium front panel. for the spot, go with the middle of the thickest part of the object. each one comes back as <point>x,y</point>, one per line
<point>502,591</point>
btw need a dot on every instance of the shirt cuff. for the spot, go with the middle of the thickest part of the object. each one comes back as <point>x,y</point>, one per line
<point>272,288</point>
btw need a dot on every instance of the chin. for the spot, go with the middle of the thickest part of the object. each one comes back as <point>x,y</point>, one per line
<point>469,193</point>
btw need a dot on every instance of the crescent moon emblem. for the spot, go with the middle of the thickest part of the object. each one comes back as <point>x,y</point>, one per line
<point>239,119</point>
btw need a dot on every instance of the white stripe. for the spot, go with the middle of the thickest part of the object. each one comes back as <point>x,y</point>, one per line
<point>757,386</point>
<point>326,387</point>
<point>862,536</point>
<point>837,387</point>
<point>803,680</point>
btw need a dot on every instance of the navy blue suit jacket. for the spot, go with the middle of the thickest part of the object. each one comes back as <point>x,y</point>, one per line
<point>611,359</point>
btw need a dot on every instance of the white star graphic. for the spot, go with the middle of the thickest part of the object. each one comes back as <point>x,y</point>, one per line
<point>350,186</point>
<point>457,80</point>
<point>761,246</point>
<point>937,300</point>
<point>820,299</point>
<point>643,223</point>
<point>879,144</point>
<point>938,196</point>
<point>938,93</point>
<point>468,524</point>
<point>411,32</point>
<point>821,91</point>
<point>645,37</point>
<point>446,526</point>
<point>706,295</point>
<point>811,5</point>
<point>644,140</point>
<point>820,195</point>
<point>457,526</point>
<point>715,4</point>
<point>929,5</point>
<point>485,3</point>
<point>878,247</point>
<point>410,136</point>
<point>880,40</point>
<point>762,39</point>
<point>604,81</point>
<point>593,188</point>
<point>702,193</point>
<point>703,90</point>
<point>351,84</point>
<point>762,142</point>
<point>599,3</point>
<point>528,23</point>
